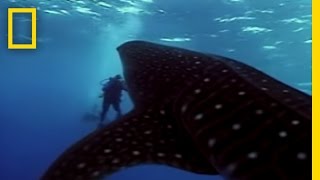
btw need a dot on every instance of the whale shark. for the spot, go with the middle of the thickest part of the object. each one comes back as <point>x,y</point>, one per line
<point>198,112</point>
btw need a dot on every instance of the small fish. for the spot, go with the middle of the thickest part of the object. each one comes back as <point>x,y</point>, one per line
<point>199,112</point>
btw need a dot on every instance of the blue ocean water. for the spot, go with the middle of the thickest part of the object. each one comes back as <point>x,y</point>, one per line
<point>46,92</point>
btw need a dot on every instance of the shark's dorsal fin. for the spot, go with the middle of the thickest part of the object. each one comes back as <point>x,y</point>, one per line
<point>151,75</point>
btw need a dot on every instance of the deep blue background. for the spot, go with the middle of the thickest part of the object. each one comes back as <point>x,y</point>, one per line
<point>45,92</point>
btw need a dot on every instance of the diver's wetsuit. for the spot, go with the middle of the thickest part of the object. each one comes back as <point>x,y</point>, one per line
<point>112,96</point>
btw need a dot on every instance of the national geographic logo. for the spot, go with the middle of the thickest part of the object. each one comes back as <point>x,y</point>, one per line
<point>33,12</point>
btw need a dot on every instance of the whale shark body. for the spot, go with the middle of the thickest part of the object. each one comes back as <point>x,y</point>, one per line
<point>199,112</point>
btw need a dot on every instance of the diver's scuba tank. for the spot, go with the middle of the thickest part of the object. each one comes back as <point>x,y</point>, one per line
<point>105,81</point>
<point>106,84</point>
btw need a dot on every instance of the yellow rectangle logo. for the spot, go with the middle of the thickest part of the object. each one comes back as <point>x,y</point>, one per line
<point>33,44</point>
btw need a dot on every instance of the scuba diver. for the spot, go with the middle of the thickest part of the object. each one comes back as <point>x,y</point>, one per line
<point>112,96</point>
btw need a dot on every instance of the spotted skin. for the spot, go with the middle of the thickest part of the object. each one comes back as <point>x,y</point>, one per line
<point>138,138</point>
<point>202,113</point>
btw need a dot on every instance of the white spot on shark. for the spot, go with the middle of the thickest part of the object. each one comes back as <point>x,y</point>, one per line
<point>136,153</point>
<point>295,122</point>
<point>160,154</point>
<point>148,144</point>
<point>198,116</point>
<point>197,91</point>
<point>302,156</point>
<point>163,112</point>
<point>230,168</point>
<point>253,155</point>
<point>241,93</point>
<point>184,108</point>
<point>259,112</point>
<point>218,106</point>
<point>119,139</point>
<point>236,126</point>
<point>283,134</point>
<point>115,161</point>
<point>285,91</point>
<point>148,132</point>
<point>206,80</point>
<point>233,80</point>
<point>211,142</point>
<point>107,151</point>
<point>96,173</point>
<point>273,104</point>
<point>81,165</point>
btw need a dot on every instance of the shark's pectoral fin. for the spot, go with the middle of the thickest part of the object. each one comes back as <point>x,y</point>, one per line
<point>138,138</point>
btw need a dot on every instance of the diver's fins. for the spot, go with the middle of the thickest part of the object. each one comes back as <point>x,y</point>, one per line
<point>90,117</point>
